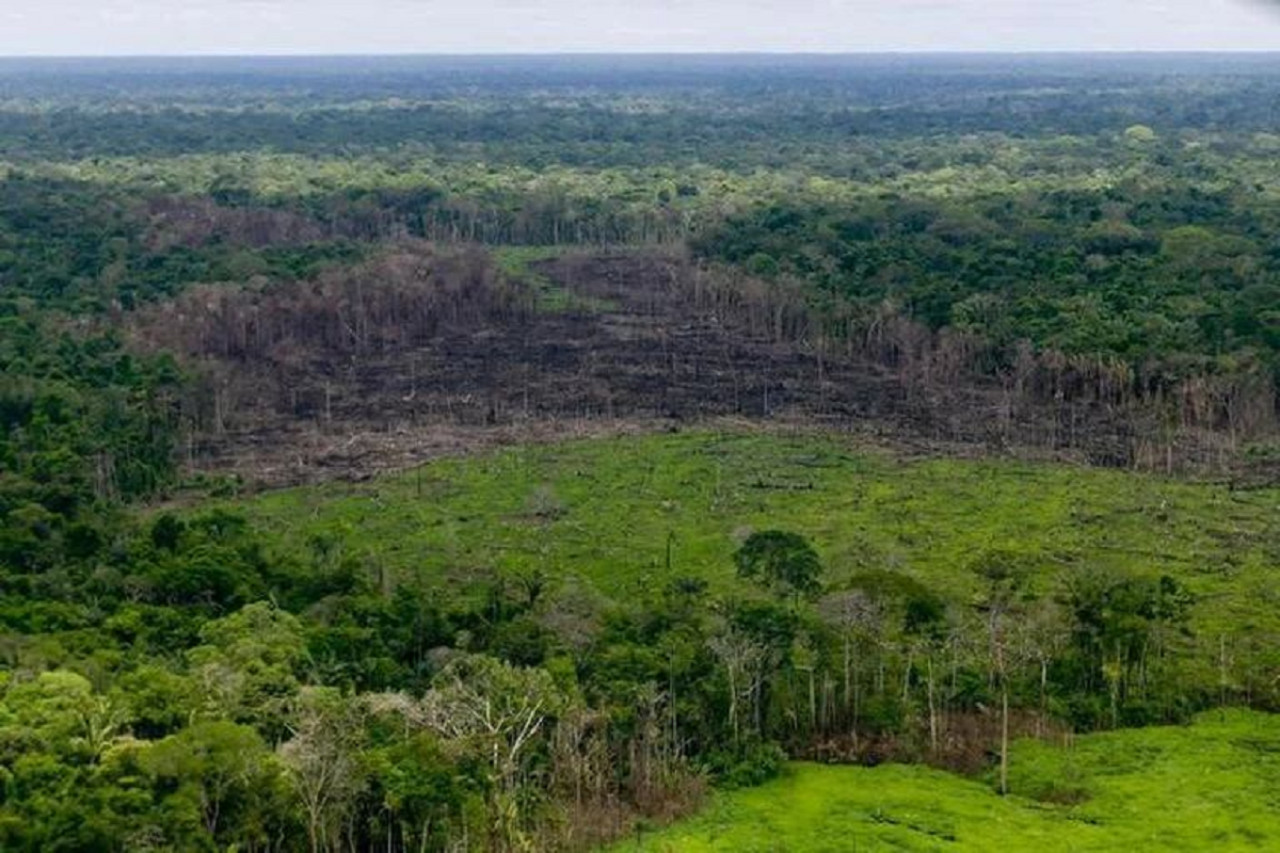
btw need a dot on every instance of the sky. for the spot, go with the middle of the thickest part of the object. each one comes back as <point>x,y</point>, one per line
<point>131,27</point>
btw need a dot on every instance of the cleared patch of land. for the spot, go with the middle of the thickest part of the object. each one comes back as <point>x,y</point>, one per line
<point>626,515</point>
<point>1209,786</point>
<point>335,378</point>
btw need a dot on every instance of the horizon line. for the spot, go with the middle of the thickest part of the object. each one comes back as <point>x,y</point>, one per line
<point>760,52</point>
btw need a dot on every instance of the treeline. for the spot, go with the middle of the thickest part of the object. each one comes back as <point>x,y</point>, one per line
<point>171,686</point>
<point>85,247</point>
<point>83,420</point>
<point>591,112</point>
<point>1156,303</point>
<point>494,216</point>
<point>1174,276</point>
<point>82,248</point>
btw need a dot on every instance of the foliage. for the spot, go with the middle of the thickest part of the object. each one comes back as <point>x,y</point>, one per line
<point>782,561</point>
<point>1209,784</point>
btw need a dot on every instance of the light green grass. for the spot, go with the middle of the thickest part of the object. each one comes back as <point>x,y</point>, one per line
<point>605,511</point>
<point>516,262</point>
<point>1214,786</point>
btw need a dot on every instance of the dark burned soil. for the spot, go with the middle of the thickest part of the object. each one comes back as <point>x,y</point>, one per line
<point>665,347</point>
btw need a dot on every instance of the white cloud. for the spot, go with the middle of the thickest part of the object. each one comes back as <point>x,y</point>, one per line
<point>336,26</point>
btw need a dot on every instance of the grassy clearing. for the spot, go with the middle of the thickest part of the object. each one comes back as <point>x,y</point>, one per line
<point>517,263</point>
<point>1210,786</point>
<point>628,514</point>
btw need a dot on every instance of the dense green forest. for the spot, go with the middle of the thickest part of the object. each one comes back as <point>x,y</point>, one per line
<point>821,276</point>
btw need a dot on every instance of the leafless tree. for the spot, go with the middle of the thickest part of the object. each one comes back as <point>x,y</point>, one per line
<point>856,616</point>
<point>322,760</point>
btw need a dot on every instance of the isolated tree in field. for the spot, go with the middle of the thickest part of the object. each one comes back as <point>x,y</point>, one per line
<point>781,561</point>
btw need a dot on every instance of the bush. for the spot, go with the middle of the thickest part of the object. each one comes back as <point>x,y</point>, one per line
<point>751,764</point>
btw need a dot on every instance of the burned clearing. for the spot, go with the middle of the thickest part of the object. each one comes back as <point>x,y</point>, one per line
<point>423,352</point>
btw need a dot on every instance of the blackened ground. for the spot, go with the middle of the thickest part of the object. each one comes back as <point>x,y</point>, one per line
<point>644,350</point>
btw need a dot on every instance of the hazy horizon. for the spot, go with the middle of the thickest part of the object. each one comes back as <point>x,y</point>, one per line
<point>640,54</point>
<point>152,28</point>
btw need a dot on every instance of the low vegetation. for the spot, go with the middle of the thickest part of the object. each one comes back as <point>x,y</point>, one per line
<point>631,515</point>
<point>1209,783</point>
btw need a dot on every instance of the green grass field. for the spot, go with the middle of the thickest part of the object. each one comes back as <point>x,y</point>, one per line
<point>1213,786</point>
<point>629,513</point>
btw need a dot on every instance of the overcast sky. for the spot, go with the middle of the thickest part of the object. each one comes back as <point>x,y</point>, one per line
<point>108,27</point>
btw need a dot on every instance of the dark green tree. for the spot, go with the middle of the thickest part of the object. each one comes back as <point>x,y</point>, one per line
<point>781,561</point>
